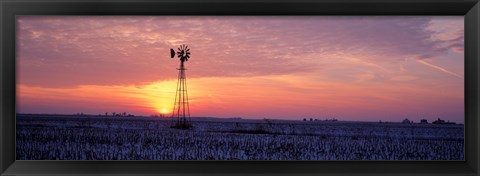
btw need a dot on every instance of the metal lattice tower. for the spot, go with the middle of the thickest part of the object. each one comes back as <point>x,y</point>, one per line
<point>181,107</point>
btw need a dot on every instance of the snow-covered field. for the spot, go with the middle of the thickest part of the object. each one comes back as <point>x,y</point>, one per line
<point>147,138</point>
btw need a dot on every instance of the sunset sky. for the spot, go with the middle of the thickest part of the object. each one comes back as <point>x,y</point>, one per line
<point>345,67</point>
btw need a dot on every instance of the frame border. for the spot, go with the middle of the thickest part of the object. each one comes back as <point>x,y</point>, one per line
<point>11,8</point>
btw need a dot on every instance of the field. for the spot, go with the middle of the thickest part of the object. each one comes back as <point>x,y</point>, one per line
<point>66,137</point>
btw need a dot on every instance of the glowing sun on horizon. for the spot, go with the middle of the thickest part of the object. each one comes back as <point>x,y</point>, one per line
<point>164,111</point>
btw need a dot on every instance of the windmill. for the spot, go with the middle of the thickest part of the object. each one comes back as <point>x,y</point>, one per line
<point>181,108</point>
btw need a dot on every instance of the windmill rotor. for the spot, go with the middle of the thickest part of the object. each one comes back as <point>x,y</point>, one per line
<point>183,53</point>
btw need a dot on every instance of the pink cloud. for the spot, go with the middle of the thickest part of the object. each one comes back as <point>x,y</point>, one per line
<point>136,48</point>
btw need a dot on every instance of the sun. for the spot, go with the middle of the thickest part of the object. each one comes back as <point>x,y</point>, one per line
<point>164,111</point>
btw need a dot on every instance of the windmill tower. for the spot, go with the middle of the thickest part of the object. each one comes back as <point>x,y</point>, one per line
<point>181,108</point>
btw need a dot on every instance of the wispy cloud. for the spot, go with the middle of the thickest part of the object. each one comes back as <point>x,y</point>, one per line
<point>440,69</point>
<point>134,50</point>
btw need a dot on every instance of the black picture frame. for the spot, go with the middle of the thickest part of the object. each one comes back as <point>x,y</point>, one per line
<point>11,8</point>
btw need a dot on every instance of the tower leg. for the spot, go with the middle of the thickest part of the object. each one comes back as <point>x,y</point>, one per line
<point>181,108</point>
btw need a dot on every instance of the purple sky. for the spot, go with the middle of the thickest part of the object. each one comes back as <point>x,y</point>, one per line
<point>350,68</point>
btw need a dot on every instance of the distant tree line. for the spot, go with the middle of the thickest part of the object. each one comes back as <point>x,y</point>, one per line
<point>117,114</point>
<point>327,119</point>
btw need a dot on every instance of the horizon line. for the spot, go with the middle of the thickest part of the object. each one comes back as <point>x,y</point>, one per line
<point>241,118</point>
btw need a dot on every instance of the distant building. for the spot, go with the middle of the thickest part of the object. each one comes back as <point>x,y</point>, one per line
<point>406,121</point>
<point>440,121</point>
<point>424,121</point>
